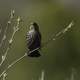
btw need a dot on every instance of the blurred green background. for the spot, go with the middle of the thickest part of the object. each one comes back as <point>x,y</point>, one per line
<point>59,58</point>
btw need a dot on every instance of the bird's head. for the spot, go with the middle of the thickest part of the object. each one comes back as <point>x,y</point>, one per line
<point>34,26</point>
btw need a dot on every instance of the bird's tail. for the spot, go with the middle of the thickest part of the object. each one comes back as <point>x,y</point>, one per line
<point>36,53</point>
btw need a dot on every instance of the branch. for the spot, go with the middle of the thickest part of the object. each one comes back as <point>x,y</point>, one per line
<point>59,34</point>
<point>5,32</point>
<point>0,30</point>
<point>4,56</point>
<point>15,29</point>
<point>42,75</point>
<point>4,76</point>
<point>65,29</point>
<point>14,62</point>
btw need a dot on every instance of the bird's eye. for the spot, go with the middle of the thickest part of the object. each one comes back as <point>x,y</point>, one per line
<point>31,27</point>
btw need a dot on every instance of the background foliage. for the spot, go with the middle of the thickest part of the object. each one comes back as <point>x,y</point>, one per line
<point>59,58</point>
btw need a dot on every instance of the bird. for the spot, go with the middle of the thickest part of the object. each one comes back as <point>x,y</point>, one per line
<point>33,38</point>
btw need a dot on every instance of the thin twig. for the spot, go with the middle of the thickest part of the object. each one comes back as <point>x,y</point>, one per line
<point>0,29</point>
<point>16,28</point>
<point>9,22</point>
<point>65,30</point>
<point>42,75</point>
<point>4,56</point>
<point>4,76</point>
<point>4,37</point>
<point>59,34</point>
<point>14,62</point>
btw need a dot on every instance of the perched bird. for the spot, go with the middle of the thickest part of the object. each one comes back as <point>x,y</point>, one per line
<point>34,40</point>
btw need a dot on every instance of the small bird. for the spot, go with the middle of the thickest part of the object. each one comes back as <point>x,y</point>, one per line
<point>33,40</point>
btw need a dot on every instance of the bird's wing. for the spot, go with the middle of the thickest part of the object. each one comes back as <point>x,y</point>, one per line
<point>30,38</point>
